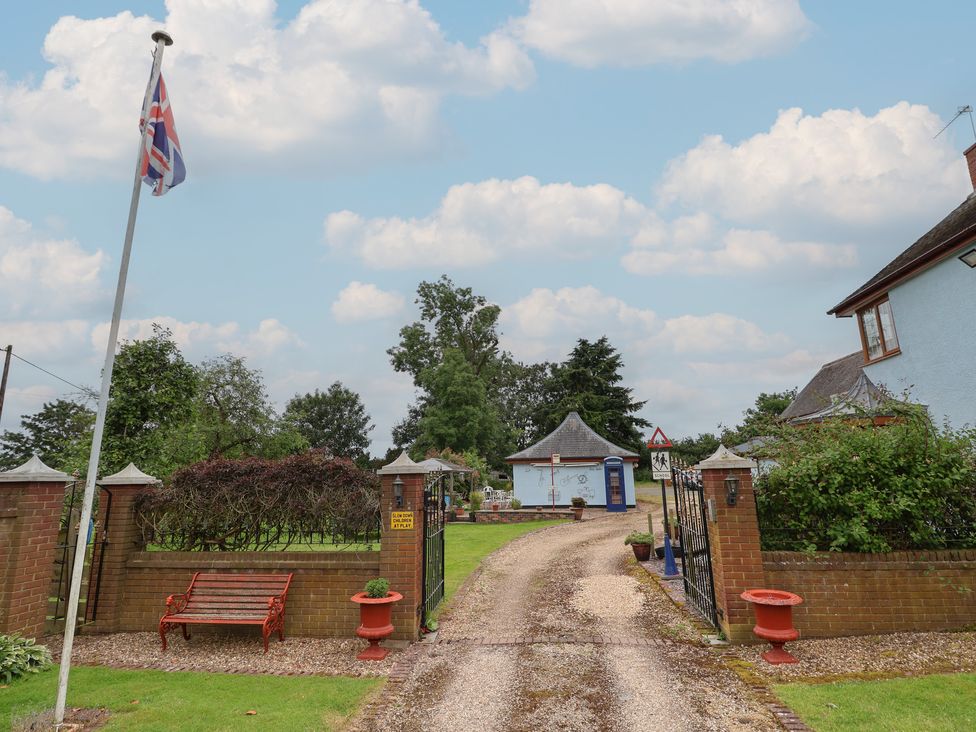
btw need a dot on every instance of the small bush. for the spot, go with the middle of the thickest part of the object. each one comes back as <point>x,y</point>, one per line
<point>578,502</point>
<point>21,656</point>
<point>516,504</point>
<point>378,587</point>
<point>476,498</point>
<point>639,537</point>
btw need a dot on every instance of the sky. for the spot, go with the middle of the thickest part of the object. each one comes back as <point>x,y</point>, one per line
<point>698,180</point>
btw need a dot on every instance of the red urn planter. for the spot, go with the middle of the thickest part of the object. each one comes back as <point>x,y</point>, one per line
<point>774,621</point>
<point>375,614</point>
<point>577,514</point>
<point>642,552</point>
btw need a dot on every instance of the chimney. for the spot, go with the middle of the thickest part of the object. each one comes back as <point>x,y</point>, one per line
<point>971,161</point>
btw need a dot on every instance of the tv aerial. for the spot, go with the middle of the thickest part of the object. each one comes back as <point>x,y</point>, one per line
<point>960,111</point>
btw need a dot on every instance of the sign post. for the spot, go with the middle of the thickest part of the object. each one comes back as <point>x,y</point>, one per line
<point>553,462</point>
<point>661,470</point>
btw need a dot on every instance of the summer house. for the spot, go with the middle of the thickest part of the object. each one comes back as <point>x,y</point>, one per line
<point>576,461</point>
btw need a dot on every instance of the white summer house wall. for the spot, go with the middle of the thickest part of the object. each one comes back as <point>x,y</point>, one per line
<point>532,480</point>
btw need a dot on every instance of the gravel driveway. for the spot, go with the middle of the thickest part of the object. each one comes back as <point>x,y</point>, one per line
<point>558,633</point>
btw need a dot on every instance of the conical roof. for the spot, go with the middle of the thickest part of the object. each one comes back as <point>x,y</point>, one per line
<point>572,439</point>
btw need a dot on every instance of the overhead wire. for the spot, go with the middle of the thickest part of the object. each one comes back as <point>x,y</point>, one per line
<point>84,389</point>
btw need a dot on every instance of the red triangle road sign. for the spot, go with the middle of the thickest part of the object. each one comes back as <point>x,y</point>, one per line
<point>659,440</point>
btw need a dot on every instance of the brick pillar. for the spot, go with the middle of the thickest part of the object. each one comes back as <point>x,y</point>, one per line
<point>734,539</point>
<point>31,498</point>
<point>117,527</point>
<point>402,550</point>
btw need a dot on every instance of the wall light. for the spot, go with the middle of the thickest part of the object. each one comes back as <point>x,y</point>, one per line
<point>731,489</point>
<point>398,492</point>
<point>969,257</point>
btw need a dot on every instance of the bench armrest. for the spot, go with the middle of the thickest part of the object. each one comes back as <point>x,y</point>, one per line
<point>176,603</point>
<point>276,606</point>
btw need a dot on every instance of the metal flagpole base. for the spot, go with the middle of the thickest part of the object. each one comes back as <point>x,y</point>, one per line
<point>670,568</point>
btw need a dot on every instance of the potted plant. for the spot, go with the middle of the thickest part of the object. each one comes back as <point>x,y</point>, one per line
<point>539,508</point>
<point>774,621</point>
<point>578,503</point>
<point>375,617</point>
<point>516,504</point>
<point>641,542</point>
<point>476,499</point>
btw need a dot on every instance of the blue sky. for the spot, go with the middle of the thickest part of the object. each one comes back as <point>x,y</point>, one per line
<point>700,181</point>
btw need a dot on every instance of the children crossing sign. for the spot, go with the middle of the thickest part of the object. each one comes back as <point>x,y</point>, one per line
<point>661,465</point>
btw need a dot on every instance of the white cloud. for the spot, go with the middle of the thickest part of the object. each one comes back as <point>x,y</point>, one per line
<point>362,301</point>
<point>341,83</point>
<point>686,245</point>
<point>842,166</point>
<point>793,368</point>
<point>716,332</point>
<point>45,339</point>
<point>206,339</point>
<point>478,223</point>
<point>546,323</point>
<point>593,33</point>
<point>41,275</point>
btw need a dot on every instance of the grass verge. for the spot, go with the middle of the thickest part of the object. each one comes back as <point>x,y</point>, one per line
<point>919,704</point>
<point>193,702</point>
<point>466,545</point>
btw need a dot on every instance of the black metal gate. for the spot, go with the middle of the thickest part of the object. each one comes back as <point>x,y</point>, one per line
<point>64,560</point>
<point>434,510</point>
<point>696,555</point>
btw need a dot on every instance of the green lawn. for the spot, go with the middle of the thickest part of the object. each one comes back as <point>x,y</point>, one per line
<point>465,545</point>
<point>919,704</point>
<point>193,702</point>
<point>650,491</point>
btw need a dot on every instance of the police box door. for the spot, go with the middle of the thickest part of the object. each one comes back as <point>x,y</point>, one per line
<point>613,477</point>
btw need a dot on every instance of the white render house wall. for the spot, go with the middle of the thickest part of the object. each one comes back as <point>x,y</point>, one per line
<point>934,315</point>
<point>531,482</point>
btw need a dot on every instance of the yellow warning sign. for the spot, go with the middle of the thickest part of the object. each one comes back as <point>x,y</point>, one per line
<point>401,520</point>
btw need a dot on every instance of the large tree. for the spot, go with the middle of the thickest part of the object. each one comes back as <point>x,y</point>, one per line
<point>152,394</point>
<point>588,382</point>
<point>459,414</point>
<point>520,394</point>
<point>56,434</point>
<point>335,420</point>
<point>451,318</point>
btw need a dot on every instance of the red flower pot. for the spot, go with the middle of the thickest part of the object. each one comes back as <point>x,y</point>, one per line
<point>642,552</point>
<point>375,615</point>
<point>577,514</point>
<point>774,621</point>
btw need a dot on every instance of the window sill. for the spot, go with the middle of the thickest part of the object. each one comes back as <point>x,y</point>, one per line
<point>879,359</point>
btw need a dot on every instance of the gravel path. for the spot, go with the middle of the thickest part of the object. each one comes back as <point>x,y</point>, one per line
<point>225,654</point>
<point>560,633</point>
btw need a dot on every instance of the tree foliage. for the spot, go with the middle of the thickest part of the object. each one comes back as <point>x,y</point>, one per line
<point>53,434</point>
<point>459,415</point>
<point>152,394</point>
<point>588,382</point>
<point>335,420</point>
<point>848,485</point>
<point>452,318</point>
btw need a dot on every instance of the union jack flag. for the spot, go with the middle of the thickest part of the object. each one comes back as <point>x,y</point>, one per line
<point>162,160</point>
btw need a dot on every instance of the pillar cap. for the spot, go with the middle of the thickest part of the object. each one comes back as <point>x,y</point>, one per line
<point>724,458</point>
<point>402,465</point>
<point>34,471</point>
<point>129,475</point>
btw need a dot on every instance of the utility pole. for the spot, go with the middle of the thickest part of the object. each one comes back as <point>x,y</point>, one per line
<point>3,382</point>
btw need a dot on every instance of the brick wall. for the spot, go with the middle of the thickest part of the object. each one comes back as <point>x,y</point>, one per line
<point>518,517</point>
<point>860,594</point>
<point>29,518</point>
<point>318,600</point>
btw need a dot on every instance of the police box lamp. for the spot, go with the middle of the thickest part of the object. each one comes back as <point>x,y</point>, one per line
<point>731,489</point>
<point>969,257</point>
<point>398,492</point>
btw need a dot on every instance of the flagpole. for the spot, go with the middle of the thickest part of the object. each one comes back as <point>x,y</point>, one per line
<point>162,40</point>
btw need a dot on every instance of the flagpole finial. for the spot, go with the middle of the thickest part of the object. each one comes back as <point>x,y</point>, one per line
<point>166,37</point>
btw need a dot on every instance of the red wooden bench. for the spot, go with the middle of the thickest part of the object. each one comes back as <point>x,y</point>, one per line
<point>229,599</point>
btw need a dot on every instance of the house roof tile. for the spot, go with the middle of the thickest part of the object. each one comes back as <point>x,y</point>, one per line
<point>572,439</point>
